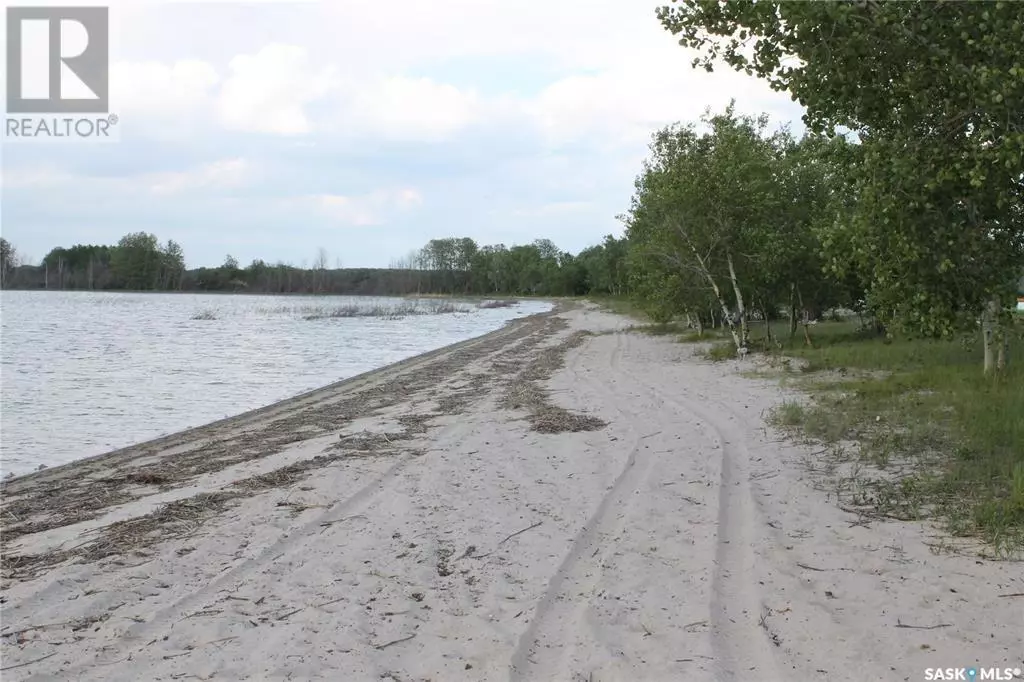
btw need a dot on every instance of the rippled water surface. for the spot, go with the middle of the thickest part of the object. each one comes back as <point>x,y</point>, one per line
<point>83,373</point>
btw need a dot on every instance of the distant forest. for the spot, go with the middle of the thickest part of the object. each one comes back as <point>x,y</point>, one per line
<point>139,262</point>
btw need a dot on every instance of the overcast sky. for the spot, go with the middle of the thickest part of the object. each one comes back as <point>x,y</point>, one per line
<point>269,130</point>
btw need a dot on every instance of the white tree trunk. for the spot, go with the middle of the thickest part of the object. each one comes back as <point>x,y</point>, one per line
<point>725,311</point>
<point>988,334</point>
<point>740,308</point>
<point>726,317</point>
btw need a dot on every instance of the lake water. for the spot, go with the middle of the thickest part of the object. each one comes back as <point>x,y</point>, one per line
<point>83,373</point>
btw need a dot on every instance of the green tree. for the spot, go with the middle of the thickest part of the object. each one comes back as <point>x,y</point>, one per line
<point>172,265</point>
<point>8,261</point>
<point>707,204</point>
<point>937,228</point>
<point>136,261</point>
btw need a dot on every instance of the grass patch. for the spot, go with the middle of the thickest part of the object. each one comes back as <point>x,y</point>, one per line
<point>790,414</point>
<point>622,306</point>
<point>658,329</point>
<point>721,350</point>
<point>944,441</point>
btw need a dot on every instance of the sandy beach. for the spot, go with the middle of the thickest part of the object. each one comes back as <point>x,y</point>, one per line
<point>562,499</point>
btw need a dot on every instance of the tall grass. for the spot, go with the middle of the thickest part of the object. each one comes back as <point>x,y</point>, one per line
<point>621,306</point>
<point>387,312</point>
<point>381,311</point>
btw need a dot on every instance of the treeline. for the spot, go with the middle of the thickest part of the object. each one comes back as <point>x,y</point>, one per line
<point>139,262</point>
<point>918,222</point>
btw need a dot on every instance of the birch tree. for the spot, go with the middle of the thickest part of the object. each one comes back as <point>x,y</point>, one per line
<point>937,227</point>
<point>704,205</point>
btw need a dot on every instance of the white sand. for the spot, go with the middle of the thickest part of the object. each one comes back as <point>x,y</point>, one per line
<point>683,541</point>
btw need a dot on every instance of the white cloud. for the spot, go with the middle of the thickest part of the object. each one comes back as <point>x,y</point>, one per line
<point>167,92</point>
<point>655,87</point>
<point>267,92</point>
<point>35,176</point>
<point>401,108</point>
<point>218,175</point>
<point>374,208</point>
<point>553,209</point>
<point>574,34</point>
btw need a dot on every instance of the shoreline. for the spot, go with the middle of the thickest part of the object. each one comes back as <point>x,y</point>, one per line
<point>256,413</point>
<point>325,294</point>
<point>560,499</point>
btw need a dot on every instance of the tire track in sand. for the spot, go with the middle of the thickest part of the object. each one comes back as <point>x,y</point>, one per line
<point>557,612</point>
<point>741,648</point>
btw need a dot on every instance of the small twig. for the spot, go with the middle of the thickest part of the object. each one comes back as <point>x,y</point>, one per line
<point>326,524</point>
<point>35,627</point>
<point>810,568</point>
<point>1015,594</point>
<point>141,563</point>
<point>290,613</point>
<point>22,665</point>
<point>333,601</point>
<point>923,627</point>
<point>395,641</point>
<point>209,612</point>
<point>222,639</point>
<point>506,539</point>
<point>169,656</point>
<point>519,532</point>
<point>649,435</point>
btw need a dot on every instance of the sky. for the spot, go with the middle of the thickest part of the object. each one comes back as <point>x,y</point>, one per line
<point>273,129</point>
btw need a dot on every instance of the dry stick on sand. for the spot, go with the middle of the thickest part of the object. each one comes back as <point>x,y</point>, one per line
<point>506,539</point>
<point>333,601</point>
<point>385,645</point>
<point>923,627</point>
<point>22,665</point>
